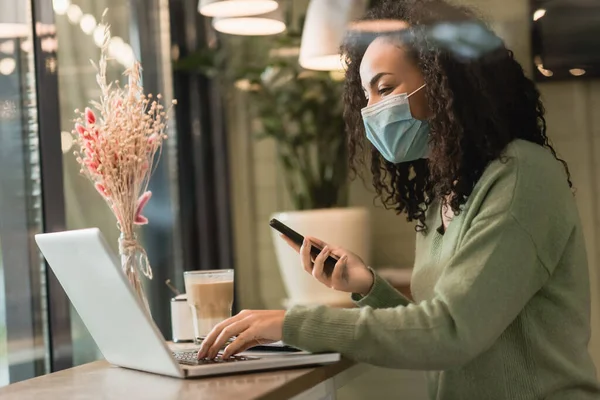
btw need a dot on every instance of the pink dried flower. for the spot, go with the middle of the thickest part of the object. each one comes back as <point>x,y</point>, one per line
<point>101,189</point>
<point>89,116</point>
<point>141,203</point>
<point>93,167</point>
<point>80,129</point>
<point>140,220</point>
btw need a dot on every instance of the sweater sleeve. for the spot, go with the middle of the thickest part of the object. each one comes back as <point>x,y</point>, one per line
<point>382,295</point>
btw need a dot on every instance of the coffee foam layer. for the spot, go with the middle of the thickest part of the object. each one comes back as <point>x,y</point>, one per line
<point>209,277</point>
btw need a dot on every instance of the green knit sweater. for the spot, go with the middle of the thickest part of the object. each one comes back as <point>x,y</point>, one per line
<point>502,298</point>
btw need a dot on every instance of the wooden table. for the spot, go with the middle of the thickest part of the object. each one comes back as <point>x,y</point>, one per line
<point>100,380</point>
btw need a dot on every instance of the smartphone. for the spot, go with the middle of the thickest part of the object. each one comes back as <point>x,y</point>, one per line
<point>298,239</point>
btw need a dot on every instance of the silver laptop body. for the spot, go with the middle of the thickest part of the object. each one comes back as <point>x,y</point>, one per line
<point>91,276</point>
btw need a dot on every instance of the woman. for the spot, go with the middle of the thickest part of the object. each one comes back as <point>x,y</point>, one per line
<point>500,284</point>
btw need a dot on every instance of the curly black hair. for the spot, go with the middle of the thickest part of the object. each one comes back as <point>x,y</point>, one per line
<point>478,106</point>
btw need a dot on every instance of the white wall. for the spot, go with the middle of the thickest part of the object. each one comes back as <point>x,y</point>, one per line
<point>574,128</point>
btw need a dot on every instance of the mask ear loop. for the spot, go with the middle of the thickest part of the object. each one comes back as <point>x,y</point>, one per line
<point>416,90</point>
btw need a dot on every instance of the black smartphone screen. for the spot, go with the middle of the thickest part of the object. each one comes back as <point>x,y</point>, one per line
<point>298,239</point>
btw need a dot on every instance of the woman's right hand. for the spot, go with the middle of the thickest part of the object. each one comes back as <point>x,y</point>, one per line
<point>350,273</point>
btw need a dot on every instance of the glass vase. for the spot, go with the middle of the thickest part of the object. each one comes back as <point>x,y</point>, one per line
<point>134,260</point>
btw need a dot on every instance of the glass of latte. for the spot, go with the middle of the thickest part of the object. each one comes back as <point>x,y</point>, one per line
<point>210,297</point>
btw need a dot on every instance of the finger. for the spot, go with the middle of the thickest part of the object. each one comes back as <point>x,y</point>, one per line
<point>240,344</point>
<point>291,243</point>
<point>319,265</point>
<point>305,256</point>
<point>337,252</point>
<point>316,241</point>
<point>339,272</point>
<point>210,339</point>
<point>214,334</point>
<point>235,329</point>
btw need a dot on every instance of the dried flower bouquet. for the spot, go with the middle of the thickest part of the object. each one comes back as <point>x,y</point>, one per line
<point>118,144</point>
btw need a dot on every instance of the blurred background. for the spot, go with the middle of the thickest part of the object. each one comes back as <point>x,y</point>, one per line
<point>257,133</point>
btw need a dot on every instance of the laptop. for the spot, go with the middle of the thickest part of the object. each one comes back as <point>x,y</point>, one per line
<point>125,333</point>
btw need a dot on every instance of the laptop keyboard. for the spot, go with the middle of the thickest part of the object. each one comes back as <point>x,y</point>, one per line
<point>191,358</point>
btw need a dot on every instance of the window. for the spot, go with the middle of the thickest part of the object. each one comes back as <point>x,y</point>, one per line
<point>23,348</point>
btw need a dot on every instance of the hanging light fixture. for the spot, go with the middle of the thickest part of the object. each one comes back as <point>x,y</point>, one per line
<point>326,24</point>
<point>13,19</point>
<point>378,26</point>
<point>270,23</point>
<point>236,8</point>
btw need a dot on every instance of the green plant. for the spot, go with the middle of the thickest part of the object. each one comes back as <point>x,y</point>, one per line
<point>301,110</point>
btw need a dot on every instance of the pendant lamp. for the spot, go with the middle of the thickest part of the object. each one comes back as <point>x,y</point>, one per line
<point>270,23</point>
<point>235,8</point>
<point>326,24</point>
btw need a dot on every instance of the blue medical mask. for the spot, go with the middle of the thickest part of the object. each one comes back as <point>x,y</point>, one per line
<point>394,132</point>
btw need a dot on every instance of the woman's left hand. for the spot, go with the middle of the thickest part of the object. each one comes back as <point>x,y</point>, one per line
<point>252,328</point>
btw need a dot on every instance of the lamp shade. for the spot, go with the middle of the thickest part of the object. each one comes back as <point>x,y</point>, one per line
<point>270,23</point>
<point>324,29</point>
<point>13,19</point>
<point>378,26</point>
<point>236,8</point>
